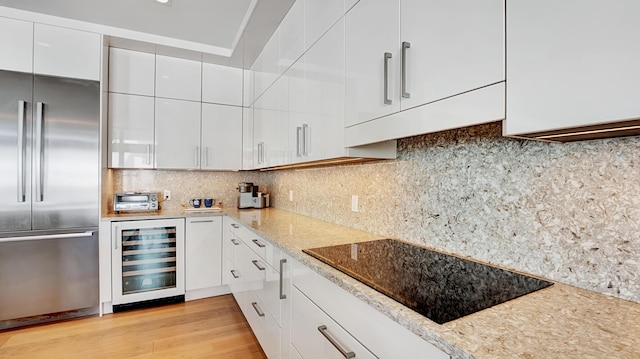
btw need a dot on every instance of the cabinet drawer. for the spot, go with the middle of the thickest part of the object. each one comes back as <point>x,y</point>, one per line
<point>315,335</point>
<point>264,327</point>
<point>263,248</point>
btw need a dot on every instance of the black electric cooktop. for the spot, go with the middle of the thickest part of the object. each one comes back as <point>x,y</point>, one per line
<point>439,286</point>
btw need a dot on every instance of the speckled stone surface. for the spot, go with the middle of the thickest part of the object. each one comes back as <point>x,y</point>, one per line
<point>569,212</point>
<point>560,321</point>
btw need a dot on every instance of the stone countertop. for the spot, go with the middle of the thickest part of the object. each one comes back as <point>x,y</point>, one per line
<point>560,321</point>
<point>556,322</point>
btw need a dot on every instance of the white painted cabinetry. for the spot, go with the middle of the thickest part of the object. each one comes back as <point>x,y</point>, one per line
<point>408,54</point>
<point>132,72</point>
<point>177,134</point>
<point>178,78</point>
<point>203,255</point>
<point>222,84</point>
<point>270,122</point>
<point>131,131</point>
<point>221,137</point>
<point>571,63</point>
<point>49,50</point>
<point>16,44</point>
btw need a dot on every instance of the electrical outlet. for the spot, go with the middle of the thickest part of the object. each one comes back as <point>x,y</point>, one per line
<point>290,195</point>
<point>167,195</point>
<point>354,203</point>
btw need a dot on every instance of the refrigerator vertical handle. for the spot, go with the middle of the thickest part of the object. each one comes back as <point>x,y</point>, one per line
<point>387,100</point>
<point>39,155</point>
<point>21,150</point>
<point>306,140</point>
<point>405,46</point>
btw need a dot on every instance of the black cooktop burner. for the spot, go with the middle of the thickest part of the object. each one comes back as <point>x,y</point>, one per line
<point>439,286</point>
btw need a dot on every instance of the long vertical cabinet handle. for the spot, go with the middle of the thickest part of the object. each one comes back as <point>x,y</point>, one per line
<point>282,263</point>
<point>118,238</point>
<point>345,352</point>
<point>405,46</point>
<point>196,155</point>
<point>387,57</point>
<point>22,149</point>
<point>149,154</point>
<point>299,141</point>
<point>206,156</point>
<point>306,140</point>
<point>39,151</point>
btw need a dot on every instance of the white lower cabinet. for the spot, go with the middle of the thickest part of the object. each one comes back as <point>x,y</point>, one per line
<point>315,335</point>
<point>203,250</point>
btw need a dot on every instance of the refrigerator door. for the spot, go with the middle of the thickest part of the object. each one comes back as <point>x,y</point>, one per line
<point>15,149</point>
<point>65,179</point>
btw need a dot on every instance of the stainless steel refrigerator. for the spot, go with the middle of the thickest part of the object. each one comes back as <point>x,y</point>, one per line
<point>49,198</point>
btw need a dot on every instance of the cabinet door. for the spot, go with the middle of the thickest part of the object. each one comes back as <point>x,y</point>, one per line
<point>177,134</point>
<point>203,252</point>
<point>221,84</point>
<point>131,123</point>
<point>319,16</point>
<point>313,333</point>
<point>372,30</point>
<point>66,52</point>
<point>132,72</point>
<point>455,46</point>
<point>221,137</point>
<point>292,41</point>
<point>571,63</point>
<point>16,45</point>
<point>270,126</point>
<point>178,78</point>
<point>266,68</point>
<point>247,139</point>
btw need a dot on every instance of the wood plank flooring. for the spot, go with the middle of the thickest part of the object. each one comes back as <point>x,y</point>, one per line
<point>206,328</point>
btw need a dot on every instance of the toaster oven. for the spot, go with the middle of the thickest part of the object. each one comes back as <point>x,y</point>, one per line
<point>135,201</point>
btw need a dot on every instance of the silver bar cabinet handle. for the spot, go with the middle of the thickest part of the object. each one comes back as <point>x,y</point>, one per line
<point>282,263</point>
<point>233,273</point>
<point>196,155</point>
<point>387,57</point>
<point>345,353</point>
<point>257,243</point>
<point>39,151</point>
<point>206,156</point>
<point>405,46</point>
<point>257,309</point>
<point>306,147</point>
<point>22,149</point>
<point>235,225</point>
<point>235,242</point>
<point>299,141</point>
<point>149,154</point>
<point>257,264</point>
<point>118,238</point>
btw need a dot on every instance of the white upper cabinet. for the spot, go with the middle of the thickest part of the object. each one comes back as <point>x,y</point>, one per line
<point>16,45</point>
<point>571,63</point>
<point>455,46</point>
<point>247,88</point>
<point>267,66</point>
<point>131,123</point>
<point>247,139</point>
<point>221,84</point>
<point>66,52</point>
<point>178,78</point>
<point>291,29</point>
<point>372,60</point>
<point>319,16</point>
<point>177,134</point>
<point>270,123</point>
<point>221,137</point>
<point>132,72</point>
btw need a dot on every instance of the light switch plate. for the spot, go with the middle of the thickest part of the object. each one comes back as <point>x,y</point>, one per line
<point>354,203</point>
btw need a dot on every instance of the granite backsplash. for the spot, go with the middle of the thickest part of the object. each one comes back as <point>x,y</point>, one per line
<point>568,212</point>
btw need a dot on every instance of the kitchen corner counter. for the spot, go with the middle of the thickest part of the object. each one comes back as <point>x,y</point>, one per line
<point>556,322</point>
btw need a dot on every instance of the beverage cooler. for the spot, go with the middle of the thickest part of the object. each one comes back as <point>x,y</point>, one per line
<point>148,262</point>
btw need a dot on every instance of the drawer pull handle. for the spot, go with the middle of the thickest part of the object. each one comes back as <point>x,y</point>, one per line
<point>235,242</point>
<point>257,264</point>
<point>235,225</point>
<point>282,263</point>
<point>257,243</point>
<point>345,353</point>
<point>233,273</point>
<point>257,309</point>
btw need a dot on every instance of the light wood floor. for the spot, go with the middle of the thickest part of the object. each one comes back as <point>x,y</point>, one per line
<point>206,328</point>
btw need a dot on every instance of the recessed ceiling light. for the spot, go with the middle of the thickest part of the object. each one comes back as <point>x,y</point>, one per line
<point>163,2</point>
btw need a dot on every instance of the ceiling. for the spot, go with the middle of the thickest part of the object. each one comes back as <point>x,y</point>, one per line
<point>232,31</point>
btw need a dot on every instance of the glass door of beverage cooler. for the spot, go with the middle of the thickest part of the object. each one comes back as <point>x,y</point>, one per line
<point>148,260</point>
